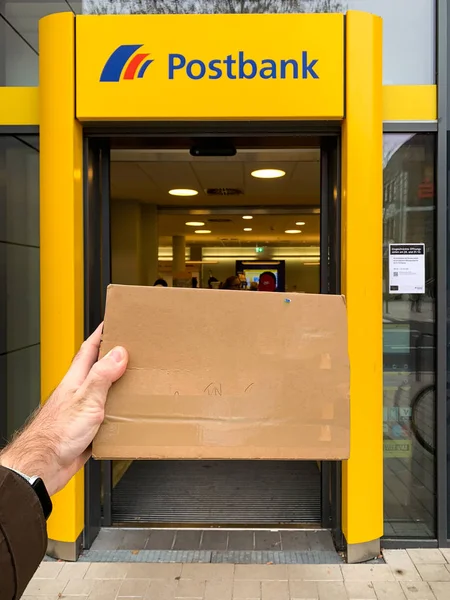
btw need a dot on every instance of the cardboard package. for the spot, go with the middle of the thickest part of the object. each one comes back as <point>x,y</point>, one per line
<point>216,374</point>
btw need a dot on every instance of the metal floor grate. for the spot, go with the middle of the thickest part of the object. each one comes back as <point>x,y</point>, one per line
<point>251,493</point>
<point>311,557</point>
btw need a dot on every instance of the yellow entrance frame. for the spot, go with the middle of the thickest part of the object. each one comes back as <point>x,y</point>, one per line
<point>62,265</point>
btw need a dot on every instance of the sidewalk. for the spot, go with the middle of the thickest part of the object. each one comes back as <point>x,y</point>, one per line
<point>407,575</point>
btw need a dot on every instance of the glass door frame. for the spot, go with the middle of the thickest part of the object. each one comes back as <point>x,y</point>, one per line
<point>97,267</point>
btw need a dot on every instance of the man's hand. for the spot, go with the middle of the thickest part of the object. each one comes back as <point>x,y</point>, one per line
<point>56,443</point>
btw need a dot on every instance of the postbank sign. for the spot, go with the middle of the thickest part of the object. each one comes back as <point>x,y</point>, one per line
<point>209,67</point>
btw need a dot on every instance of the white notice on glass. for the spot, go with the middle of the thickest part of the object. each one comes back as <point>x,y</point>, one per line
<point>407,268</point>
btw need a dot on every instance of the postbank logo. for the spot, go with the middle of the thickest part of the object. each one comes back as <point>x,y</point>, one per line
<point>126,63</point>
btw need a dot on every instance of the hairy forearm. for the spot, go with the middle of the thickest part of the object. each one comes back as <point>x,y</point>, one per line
<point>33,450</point>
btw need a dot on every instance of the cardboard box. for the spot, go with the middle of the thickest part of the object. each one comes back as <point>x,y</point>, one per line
<point>216,374</point>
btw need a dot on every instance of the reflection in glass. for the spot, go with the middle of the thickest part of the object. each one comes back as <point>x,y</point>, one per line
<point>409,341</point>
<point>210,6</point>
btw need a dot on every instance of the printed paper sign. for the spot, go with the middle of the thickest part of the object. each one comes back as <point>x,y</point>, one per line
<point>407,268</point>
<point>397,448</point>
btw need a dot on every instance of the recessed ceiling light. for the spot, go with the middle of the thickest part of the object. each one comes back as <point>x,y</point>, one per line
<point>292,231</point>
<point>248,229</point>
<point>195,223</point>
<point>268,173</point>
<point>300,223</point>
<point>183,192</point>
<point>203,231</point>
<point>247,217</point>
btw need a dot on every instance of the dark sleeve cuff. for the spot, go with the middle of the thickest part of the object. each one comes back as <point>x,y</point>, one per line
<point>23,534</point>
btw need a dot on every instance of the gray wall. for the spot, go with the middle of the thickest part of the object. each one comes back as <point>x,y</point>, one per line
<point>19,282</point>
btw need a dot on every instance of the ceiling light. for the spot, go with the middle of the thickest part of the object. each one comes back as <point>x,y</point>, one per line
<point>203,231</point>
<point>183,192</point>
<point>292,231</point>
<point>268,173</point>
<point>248,229</point>
<point>247,217</point>
<point>195,223</point>
<point>298,223</point>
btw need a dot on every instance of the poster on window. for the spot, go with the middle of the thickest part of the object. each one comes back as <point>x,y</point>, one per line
<point>407,268</point>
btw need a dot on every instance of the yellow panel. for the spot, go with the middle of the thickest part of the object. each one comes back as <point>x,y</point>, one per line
<point>61,221</point>
<point>409,102</point>
<point>19,105</point>
<point>362,485</point>
<point>198,66</point>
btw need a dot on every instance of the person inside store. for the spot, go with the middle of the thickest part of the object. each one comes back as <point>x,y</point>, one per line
<point>42,459</point>
<point>231,283</point>
<point>267,282</point>
<point>160,283</point>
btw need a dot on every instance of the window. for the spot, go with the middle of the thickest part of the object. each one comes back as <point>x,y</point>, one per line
<point>409,340</point>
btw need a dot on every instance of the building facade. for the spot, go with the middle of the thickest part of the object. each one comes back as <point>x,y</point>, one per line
<point>415,115</point>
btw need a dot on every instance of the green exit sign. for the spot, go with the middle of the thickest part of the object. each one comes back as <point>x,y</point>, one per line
<point>259,249</point>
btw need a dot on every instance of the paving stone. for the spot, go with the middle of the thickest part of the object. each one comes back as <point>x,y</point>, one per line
<point>153,570</point>
<point>161,590</point>
<point>190,588</point>
<point>367,573</point>
<point>418,590</point>
<point>71,571</point>
<point>441,590</point>
<point>321,541</point>
<point>303,590</point>
<point>45,587</point>
<point>360,590</point>
<point>240,540</point>
<point>446,554</point>
<point>221,589</point>
<point>246,590</point>
<point>275,590</point>
<point>135,540</point>
<point>388,590</point>
<point>332,590</point>
<point>267,540</point>
<point>79,587</point>
<point>160,540</point>
<point>105,589</point>
<point>49,570</point>
<point>433,572</point>
<point>207,571</point>
<point>52,597</point>
<point>214,540</point>
<point>401,564</point>
<point>261,572</point>
<point>294,541</point>
<point>187,540</point>
<point>429,556</point>
<point>133,587</point>
<point>315,572</point>
<point>108,539</point>
<point>107,571</point>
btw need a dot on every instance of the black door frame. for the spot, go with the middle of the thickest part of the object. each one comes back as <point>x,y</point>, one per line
<point>97,277</point>
<point>97,263</point>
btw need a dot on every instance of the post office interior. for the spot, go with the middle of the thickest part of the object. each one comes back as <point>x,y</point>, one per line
<point>257,213</point>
